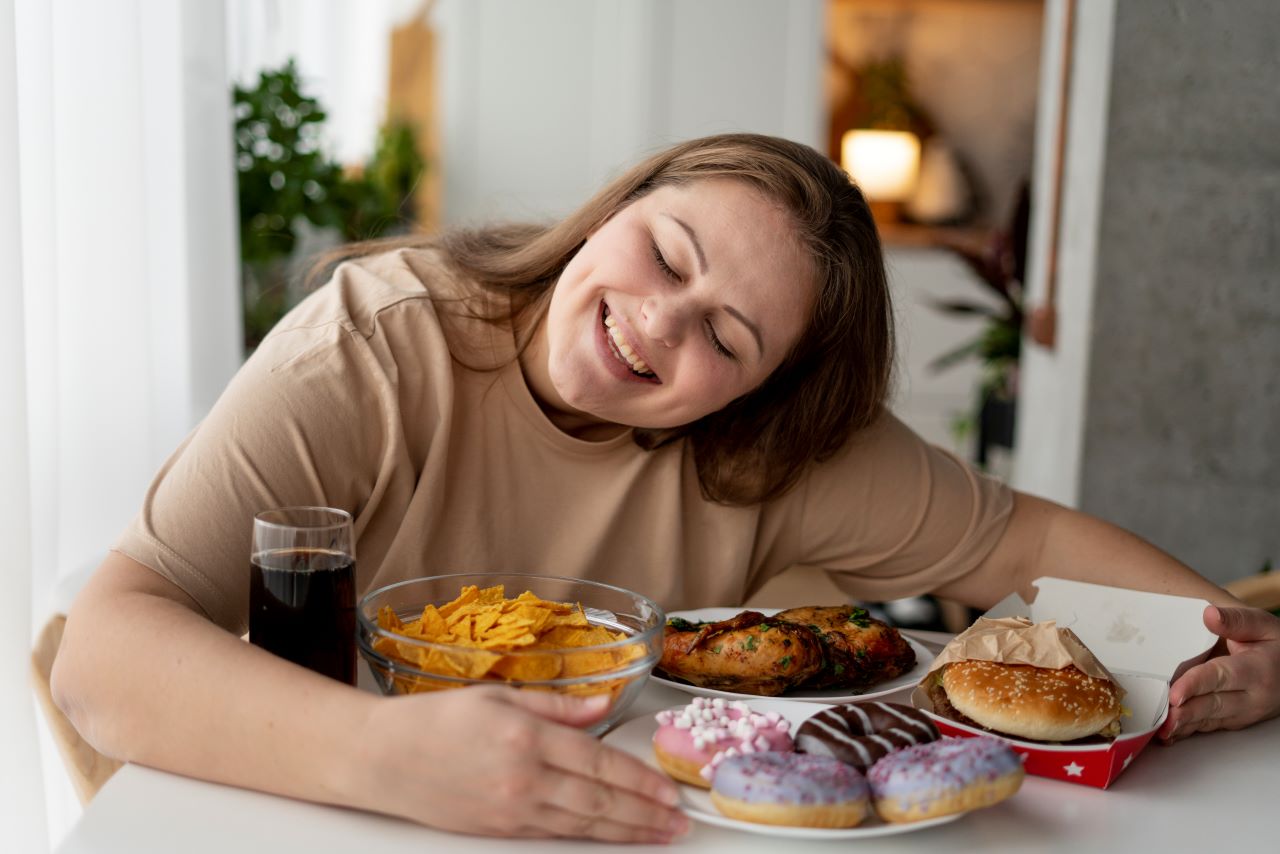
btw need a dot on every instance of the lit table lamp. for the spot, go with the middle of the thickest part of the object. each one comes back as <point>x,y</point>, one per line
<point>885,165</point>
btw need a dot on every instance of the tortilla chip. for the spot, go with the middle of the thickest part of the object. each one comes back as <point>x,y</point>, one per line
<point>482,624</point>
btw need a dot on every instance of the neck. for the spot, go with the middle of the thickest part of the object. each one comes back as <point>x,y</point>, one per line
<point>537,376</point>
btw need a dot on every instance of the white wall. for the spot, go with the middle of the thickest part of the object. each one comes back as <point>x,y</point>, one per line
<point>544,101</point>
<point>1052,406</point>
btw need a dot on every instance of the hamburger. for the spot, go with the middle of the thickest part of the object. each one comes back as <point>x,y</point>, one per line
<point>1027,702</point>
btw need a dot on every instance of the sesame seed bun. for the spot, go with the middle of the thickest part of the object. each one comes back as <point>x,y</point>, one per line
<point>1033,702</point>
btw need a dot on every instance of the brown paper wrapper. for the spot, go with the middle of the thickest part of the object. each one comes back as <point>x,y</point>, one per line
<point>1017,640</point>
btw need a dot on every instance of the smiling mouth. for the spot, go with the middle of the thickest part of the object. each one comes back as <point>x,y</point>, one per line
<point>622,350</point>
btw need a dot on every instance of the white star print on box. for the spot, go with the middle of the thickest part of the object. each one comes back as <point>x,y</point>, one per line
<point>1127,760</point>
<point>1073,770</point>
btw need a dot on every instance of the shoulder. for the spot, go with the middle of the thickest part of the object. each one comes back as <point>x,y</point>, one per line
<point>361,290</point>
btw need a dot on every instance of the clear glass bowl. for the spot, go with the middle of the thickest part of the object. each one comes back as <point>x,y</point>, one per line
<point>621,666</point>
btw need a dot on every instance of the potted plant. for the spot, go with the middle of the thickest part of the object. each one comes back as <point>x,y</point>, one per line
<point>1000,266</point>
<point>294,199</point>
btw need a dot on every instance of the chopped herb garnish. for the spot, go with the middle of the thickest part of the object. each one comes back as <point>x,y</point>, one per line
<point>860,618</point>
<point>716,649</point>
<point>785,661</point>
<point>750,642</point>
<point>764,627</point>
<point>839,668</point>
<point>682,625</point>
<point>859,654</point>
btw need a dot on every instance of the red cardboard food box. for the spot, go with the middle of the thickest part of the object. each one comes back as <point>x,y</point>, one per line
<point>1144,639</point>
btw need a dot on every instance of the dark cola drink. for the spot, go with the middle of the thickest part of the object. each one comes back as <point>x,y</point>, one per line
<point>302,607</point>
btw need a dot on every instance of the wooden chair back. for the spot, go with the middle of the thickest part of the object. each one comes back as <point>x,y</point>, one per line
<point>87,768</point>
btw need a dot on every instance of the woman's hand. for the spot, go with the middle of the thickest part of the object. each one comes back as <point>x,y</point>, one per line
<point>1238,687</point>
<point>503,762</point>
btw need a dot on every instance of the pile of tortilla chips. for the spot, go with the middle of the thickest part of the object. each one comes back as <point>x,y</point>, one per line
<point>482,628</point>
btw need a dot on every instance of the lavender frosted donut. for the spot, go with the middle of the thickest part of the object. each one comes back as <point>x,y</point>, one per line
<point>858,734</point>
<point>790,789</point>
<point>944,777</point>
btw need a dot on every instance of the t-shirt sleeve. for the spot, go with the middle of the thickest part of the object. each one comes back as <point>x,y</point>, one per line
<point>300,424</point>
<point>892,515</point>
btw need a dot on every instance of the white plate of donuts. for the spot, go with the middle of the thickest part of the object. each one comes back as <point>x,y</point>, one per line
<point>924,658</point>
<point>769,790</point>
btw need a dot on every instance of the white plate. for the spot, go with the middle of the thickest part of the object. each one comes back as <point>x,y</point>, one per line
<point>839,695</point>
<point>636,737</point>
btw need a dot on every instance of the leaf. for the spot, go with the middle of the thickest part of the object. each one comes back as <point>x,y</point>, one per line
<point>962,307</point>
<point>954,357</point>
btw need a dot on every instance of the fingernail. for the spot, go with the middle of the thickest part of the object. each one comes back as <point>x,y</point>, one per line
<point>597,703</point>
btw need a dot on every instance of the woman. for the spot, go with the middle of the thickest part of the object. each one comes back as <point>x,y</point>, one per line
<point>679,388</point>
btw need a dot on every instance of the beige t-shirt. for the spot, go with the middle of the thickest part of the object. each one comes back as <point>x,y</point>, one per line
<point>355,401</point>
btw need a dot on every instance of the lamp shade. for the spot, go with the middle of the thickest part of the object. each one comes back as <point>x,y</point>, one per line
<point>884,163</point>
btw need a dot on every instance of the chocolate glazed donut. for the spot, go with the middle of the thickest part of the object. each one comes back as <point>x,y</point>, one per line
<point>860,733</point>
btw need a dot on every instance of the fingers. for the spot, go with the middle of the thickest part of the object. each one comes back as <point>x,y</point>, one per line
<point>1208,713</point>
<point>584,788</point>
<point>590,803</point>
<point>1216,674</point>
<point>573,824</point>
<point>1242,624</point>
<point>578,753</point>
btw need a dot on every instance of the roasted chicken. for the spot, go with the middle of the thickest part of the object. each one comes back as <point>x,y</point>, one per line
<point>812,647</point>
<point>859,650</point>
<point>748,653</point>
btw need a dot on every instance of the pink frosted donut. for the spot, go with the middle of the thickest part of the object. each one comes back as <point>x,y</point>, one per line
<point>947,776</point>
<point>693,739</point>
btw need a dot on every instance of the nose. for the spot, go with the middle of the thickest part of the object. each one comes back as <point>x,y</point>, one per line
<point>663,319</point>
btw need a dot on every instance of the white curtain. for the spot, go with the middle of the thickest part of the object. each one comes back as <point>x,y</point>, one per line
<point>21,804</point>
<point>121,311</point>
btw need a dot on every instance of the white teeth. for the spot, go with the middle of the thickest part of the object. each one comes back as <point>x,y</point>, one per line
<point>624,349</point>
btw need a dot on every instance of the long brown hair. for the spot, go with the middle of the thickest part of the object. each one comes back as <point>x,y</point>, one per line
<point>836,378</point>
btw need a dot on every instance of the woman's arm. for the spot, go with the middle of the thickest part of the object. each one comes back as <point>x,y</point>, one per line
<point>1238,687</point>
<point>145,677</point>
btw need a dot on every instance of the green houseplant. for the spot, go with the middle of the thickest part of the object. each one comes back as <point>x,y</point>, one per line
<point>290,190</point>
<point>999,265</point>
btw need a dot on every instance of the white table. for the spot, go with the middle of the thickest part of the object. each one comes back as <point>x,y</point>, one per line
<point>1209,793</point>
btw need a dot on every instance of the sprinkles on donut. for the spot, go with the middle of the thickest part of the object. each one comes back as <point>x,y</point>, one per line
<point>692,740</point>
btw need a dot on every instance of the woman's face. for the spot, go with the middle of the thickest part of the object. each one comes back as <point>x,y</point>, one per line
<point>685,300</point>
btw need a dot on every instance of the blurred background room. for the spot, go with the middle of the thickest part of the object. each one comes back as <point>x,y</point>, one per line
<point>1079,201</point>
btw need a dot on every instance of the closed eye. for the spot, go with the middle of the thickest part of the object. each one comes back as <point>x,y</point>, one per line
<point>662,263</point>
<point>716,343</point>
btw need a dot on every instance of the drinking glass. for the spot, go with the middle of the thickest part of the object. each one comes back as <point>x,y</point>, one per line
<point>302,589</point>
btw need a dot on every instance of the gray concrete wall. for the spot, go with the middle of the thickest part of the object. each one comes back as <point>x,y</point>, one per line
<point>1182,425</point>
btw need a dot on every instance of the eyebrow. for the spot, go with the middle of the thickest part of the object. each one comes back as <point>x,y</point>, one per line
<point>702,265</point>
